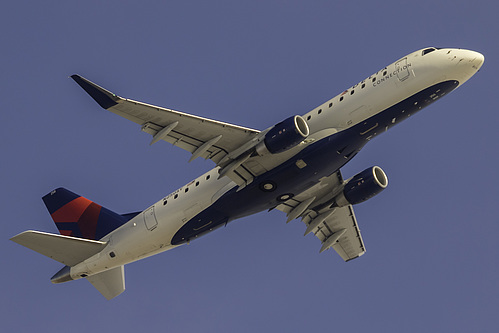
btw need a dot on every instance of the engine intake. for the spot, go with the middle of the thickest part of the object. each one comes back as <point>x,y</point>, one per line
<point>363,186</point>
<point>283,136</point>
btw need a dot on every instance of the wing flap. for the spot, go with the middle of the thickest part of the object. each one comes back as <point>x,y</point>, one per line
<point>350,245</point>
<point>221,142</point>
<point>191,132</point>
<point>336,228</point>
<point>190,143</point>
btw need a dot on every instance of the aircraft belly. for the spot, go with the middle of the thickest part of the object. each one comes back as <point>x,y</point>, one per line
<point>321,159</point>
<point>188,219</point>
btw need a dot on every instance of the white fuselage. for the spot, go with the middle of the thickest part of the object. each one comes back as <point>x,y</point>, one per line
<point>151,231</point>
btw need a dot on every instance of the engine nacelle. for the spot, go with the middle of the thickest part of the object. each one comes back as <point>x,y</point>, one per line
<point>362,186</point>
<point>283,136</point>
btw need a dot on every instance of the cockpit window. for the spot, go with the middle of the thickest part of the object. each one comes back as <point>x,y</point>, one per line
<point>431,49</point>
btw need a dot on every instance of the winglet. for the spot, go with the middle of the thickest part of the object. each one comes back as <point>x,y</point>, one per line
<point>103,97</point>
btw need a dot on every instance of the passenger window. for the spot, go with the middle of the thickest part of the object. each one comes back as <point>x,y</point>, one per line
<point>330,104</point>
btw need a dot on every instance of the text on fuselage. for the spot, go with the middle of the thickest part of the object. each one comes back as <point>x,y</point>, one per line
<point>395,73</point>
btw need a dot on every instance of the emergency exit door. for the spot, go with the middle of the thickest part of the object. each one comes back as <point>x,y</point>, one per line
<point>150,219</point>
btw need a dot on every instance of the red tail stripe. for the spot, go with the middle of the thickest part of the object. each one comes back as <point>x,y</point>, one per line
<point>72,211</point>
<point>88,221</point>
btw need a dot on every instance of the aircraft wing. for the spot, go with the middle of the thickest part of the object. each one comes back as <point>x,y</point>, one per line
<point>336,228</point>
<point>202,137</point>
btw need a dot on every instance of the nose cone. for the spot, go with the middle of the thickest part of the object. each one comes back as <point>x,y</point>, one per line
<point>471,63</point>
<point>477,59</point>
<point>469,58</point>
<point>463,64</point>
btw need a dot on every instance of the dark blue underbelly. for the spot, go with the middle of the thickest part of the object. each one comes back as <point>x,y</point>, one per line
<point>323,158</point>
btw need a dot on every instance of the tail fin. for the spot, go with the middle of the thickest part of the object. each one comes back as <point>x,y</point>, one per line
<point>77,216</point>
<point>109,283</point>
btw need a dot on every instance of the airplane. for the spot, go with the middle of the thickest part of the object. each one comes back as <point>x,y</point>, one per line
<point>293,166</point>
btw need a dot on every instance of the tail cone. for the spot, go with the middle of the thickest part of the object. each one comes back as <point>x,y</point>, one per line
<point>64,275</point>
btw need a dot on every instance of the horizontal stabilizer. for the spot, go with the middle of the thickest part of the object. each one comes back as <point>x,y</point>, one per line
<point>64,249</point>
<point>109,283</point>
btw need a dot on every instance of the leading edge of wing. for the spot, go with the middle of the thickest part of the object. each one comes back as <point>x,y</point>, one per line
<point>106,99</point>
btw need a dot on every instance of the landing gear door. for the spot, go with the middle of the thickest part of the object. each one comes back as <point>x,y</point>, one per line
<point>402,69</point>
<point>150,219</point>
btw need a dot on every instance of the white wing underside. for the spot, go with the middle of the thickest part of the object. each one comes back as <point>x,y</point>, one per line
<point>190,133</point>
<point>221,142</point>
<point>339,221</point>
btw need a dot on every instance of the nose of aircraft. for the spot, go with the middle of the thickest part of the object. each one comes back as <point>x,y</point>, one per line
<point>475,59</point>
<point>464,63</point>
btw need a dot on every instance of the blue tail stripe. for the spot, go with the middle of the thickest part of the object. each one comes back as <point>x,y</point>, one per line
<point>58,198</point>
<point>108,221</point>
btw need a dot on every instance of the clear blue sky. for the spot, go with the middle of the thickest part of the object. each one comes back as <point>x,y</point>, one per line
<point>431,237</point>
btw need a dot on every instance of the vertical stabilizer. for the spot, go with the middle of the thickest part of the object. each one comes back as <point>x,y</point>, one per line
<point>77,216</point>
<point>109,283</point>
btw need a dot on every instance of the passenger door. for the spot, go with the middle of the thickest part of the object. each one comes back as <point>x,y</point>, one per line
<point>150,219</point>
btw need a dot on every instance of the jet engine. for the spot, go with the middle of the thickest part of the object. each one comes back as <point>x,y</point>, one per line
<point>283,136</point>
<point>362,186</point>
